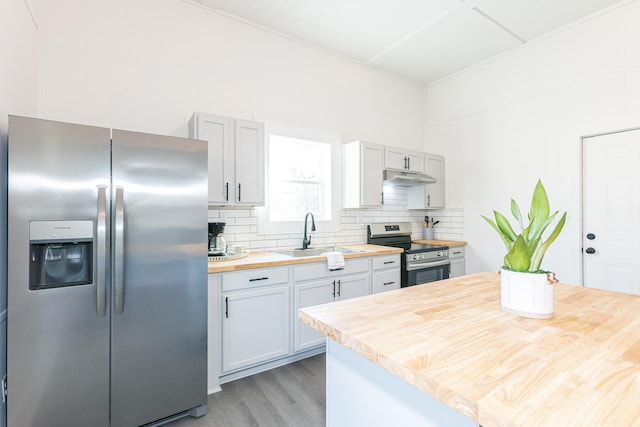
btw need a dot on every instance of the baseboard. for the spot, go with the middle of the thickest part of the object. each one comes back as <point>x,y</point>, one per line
<point>270,365</point>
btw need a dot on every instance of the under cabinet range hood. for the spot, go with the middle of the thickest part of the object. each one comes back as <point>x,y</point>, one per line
<point>406,179</point>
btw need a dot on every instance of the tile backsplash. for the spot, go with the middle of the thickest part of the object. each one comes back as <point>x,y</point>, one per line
<point>242,224</point>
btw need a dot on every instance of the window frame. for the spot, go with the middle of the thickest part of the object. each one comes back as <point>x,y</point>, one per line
<point>265,225</point>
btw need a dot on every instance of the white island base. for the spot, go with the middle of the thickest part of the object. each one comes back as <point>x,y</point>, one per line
<point>360,393</point>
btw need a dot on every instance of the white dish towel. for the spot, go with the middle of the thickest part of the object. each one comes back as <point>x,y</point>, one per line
<point>335,260</point>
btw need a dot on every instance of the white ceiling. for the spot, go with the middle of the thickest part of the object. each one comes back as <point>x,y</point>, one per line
<point>422,40</point>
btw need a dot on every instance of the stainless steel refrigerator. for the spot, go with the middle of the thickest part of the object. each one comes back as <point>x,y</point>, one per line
<point>106,277</point>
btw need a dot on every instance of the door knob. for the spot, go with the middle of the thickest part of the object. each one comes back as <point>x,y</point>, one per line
<point>591,236</point>
<point>590,251</point>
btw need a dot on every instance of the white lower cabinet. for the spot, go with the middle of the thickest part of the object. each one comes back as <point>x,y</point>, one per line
<point>386,273</point>
<point>306,295</point>
<point>255,307</point>
<point>456,257</point>
<point>253,323</point>
<point>314,284</point>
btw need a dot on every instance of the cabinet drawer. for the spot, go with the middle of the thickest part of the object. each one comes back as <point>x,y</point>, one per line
<point>254,278</point>
<point>386,280</point>
<point>386,261</point>
<point>318,270</point>
<point>456,252</point>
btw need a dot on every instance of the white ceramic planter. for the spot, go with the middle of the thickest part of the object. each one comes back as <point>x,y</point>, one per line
<point>527,294</point>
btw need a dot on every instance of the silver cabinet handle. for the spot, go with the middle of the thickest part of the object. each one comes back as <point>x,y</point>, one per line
<point>101,252</point>
<point>118,259</point>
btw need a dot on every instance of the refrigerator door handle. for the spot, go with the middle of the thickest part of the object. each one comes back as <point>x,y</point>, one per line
<point>118,264</point>
<point>101,252</point>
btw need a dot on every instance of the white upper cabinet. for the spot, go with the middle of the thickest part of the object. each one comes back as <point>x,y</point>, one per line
<point>403,160</point>
<point>362,180</point>
<point>236,158</point>
<point>429,196</point>
<point>435,192</point>
<point>249,145</point>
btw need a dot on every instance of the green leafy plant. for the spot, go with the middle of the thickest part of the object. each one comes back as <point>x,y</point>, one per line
<point>526,250</point>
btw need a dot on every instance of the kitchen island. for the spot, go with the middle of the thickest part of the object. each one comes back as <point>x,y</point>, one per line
<point>447,345</point>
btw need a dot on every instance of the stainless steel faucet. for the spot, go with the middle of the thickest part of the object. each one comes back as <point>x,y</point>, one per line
<point>306,241</point>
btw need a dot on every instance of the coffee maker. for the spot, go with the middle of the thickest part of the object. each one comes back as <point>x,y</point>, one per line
<point>217,245</point>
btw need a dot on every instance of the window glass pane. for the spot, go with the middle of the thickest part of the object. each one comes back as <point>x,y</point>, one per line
<point>299,178</point>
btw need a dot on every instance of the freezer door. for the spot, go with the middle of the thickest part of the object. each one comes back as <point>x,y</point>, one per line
<point>58,355</point>
<point>159,334</point>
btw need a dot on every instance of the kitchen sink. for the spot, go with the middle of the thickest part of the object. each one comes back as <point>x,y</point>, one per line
<point>298,253</point>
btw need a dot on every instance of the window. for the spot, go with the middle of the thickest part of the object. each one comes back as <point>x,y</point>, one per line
<point>304,170</point>
<point>299,178</point>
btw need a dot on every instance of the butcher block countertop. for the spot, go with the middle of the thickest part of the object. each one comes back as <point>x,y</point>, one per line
<point>264,259</point>
<point>450,243</point>
<point>451,340</point>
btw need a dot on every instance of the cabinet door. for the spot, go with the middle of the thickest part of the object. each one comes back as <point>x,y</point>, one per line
<point>306,295</point>
<point>249,163</point>
<point>435,192</point>
<point>457,267</point>
<point>352,286</point>
<point>218,131</point>
<point>362,175</point>
<point>429,196</point>
<point>386,280</point>
<point>415,161</point>
<point>371,170</point>
<point>255,326</point>
<point>394,158</point>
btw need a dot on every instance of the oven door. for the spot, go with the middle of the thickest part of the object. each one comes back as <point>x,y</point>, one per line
<point>419,273</point>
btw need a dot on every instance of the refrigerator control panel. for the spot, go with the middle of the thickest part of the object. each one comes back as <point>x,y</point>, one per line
<point>60,230</point>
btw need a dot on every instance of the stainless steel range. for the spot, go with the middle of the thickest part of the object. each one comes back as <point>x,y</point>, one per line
<point>419,263</point>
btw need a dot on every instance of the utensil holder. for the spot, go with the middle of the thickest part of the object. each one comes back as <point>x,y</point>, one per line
<point>427,233</point>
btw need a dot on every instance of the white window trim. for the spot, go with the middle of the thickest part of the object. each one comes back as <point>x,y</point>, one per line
<point>265,226</point>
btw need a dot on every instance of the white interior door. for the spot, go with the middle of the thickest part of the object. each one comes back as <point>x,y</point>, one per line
<point>611,197</point>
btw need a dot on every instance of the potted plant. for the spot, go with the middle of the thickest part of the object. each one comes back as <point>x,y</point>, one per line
<point>525,288</point>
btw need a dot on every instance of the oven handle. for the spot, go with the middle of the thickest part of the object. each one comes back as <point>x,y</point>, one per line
<point>428,264</point>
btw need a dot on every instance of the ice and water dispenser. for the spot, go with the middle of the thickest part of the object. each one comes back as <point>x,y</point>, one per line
<point>61,254</point>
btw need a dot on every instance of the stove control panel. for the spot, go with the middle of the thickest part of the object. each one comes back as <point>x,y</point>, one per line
<point>428,255</point>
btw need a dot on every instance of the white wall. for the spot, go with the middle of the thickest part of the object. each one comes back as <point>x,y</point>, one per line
<point>147,65</point>
<point>506,123</point>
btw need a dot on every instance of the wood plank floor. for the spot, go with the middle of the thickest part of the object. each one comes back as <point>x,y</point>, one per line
<point>291,395</point>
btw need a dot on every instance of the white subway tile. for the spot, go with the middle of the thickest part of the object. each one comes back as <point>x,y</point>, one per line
<point>242,224</point>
